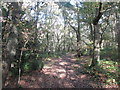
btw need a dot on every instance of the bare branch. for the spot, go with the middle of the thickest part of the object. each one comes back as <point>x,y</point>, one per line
<point>72,27</point>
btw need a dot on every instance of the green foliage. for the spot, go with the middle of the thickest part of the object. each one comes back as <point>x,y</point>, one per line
<point>107,70</point>
<point>85,52</point>
<point>13,71</point>
<point>29,63</point>
<point>33,65</point>
<point>22,12</point>
<point>26,55</point>
<point>26,67</point>
<point>37,64</point>
<point>19,86</point>
<point>4,12</point>
<point>110,52</point>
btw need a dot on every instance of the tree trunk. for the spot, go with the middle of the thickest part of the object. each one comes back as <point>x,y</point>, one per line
<point>9,45</point>
<point>78,45</point>
<point>78,35</point>
<point>0,51</point>
<point>96,37</point>
<point>36,28</point>
<point>118,40</point>
<point>119,60</point>
<point>11,52</point>
<point>93,55</point>
<point>64,49</point>
<point>47,47</point>
<point>96,46</point>
<point>91,38</point>
<point>119,44</point>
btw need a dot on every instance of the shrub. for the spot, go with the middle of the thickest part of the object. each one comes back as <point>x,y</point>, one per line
<point>110,52</point>
<point>33,65</point>
<point>36,64</point>
<point>13,71</point>
<point>27,67</point>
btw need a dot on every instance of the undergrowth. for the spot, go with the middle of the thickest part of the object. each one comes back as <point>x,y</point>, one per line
<point>106,72</point>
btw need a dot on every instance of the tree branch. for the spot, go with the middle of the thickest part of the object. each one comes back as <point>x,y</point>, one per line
<point>99,15</point>
<point>72,27</point>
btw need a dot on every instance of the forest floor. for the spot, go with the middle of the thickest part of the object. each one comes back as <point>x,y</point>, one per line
<point>59,72</point>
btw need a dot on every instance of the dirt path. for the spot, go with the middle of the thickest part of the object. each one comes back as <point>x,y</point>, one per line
<point>58,73</point>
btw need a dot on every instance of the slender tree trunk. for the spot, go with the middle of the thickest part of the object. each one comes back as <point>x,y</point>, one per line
<point>47,47</point>
<point>0,51</point>
<point>78,45</point>
<point>118,34</point>
<point>118,39</point>
<point>93,55</point>
<point>119,44</point>
<point>20,61</point>
<point>91,37</point>
<point>58,43</point>
<point>78,35</point>
<point>36,29</point>
<point>64,39</point>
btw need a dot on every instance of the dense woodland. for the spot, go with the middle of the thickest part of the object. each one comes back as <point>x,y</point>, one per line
<point>35,33</point>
